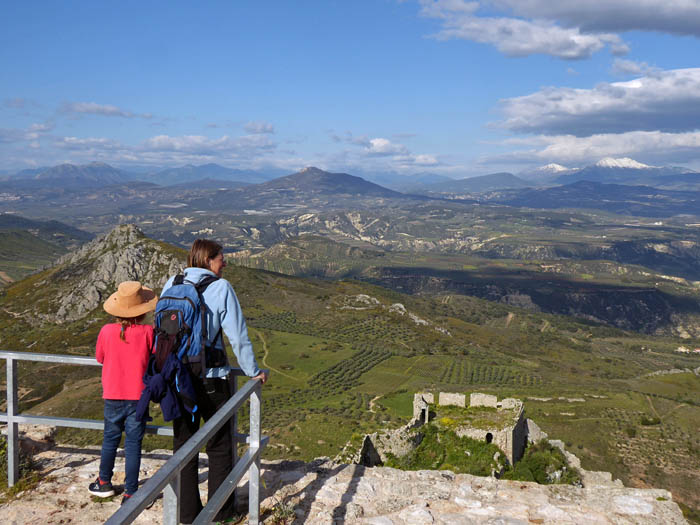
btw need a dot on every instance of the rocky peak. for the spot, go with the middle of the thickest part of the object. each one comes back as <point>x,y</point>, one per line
<point>82,280</point>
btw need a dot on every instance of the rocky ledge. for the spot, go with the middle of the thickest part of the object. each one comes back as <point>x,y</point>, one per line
<point>321,492</point>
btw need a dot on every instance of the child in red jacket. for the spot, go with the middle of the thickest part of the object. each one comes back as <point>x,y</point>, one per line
<point>123,348</point>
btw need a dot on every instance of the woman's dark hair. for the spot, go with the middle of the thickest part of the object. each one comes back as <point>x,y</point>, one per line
<point>201,252</point>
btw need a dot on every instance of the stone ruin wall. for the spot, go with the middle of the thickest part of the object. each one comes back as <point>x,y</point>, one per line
<point>511,439</point>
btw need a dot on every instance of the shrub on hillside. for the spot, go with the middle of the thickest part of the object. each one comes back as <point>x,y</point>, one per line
<point>445,450</point>
<point>545,464</point>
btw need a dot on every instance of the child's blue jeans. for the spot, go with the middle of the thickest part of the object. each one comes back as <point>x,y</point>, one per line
<point>120,416</point>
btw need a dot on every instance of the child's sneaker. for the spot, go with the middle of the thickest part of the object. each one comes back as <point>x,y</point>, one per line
<point>101,489</point>
<point>126,498</point>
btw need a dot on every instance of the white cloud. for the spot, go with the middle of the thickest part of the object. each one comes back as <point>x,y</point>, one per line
<point>259,127</point>
<point>425,160</point>
<point>564,29</point>
<point>668,101</point>
<point>205,145</point>
<point>105,110</point>
<point>515,36</point>
<point>667,16</point>
<point>622,66</point>
<point>165,150</point>
<point>34,132</point>
<point>652,147</point>
<point>381,147</point>
<point>90,143</point>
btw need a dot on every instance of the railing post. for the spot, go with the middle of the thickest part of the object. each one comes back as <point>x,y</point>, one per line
<point>233,385</point>
<point>12,427</point>
<point>171,502</point>
<point>254,471</point>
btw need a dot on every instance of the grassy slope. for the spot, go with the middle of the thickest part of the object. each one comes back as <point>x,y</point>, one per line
<point>22,253</point>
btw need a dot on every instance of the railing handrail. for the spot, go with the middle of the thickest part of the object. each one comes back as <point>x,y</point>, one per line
<point>70,422</point>
<point>167,478</point>
<point>171,469</point>
<point>66,359</point>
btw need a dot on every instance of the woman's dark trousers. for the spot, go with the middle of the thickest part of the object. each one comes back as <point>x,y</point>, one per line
<point>211,395</point>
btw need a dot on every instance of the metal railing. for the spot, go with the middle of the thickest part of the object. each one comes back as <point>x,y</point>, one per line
<point>167,478</point>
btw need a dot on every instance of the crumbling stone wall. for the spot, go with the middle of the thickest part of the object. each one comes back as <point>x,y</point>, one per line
<point>483,400</point>
<point>421,406</point>
<point>448,398</point>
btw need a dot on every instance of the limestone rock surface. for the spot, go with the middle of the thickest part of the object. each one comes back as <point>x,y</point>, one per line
<point>321,492</point>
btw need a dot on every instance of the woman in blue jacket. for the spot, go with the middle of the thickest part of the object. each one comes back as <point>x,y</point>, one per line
<point>206,258</point>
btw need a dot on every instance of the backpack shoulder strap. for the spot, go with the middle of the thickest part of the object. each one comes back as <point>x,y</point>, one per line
<point>204,283</point>
<point>200,287</point>
<point>179,279</point>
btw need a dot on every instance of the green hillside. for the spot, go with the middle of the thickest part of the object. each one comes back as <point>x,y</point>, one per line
<point>27,245</point>
<point>346,356</point>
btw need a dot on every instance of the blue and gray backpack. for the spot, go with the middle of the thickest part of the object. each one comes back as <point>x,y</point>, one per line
<point>181,327</point>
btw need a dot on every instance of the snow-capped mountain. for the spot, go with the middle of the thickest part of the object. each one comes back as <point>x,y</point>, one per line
<point>624,162</point>
<point>631,172</point>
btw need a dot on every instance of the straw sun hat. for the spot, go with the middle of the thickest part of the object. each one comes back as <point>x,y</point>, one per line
<point>131,300</point>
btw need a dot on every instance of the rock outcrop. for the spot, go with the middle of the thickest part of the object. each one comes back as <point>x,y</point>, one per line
<point>321,492</point>
<point>80,281</point>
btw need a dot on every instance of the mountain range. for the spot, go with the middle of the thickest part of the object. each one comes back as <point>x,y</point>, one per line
<point>97,174</point>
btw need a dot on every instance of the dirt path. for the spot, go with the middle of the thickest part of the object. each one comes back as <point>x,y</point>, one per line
<point>264,359</point>
<point>651,405</point>
<point>371,403</point>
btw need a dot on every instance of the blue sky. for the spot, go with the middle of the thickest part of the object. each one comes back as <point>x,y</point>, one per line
<point>444,86</point>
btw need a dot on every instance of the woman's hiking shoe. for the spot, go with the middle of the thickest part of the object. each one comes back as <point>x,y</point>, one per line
<point>101,489</point>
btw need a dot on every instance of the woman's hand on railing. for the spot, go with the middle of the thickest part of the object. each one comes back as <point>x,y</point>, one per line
<point>262,376</point>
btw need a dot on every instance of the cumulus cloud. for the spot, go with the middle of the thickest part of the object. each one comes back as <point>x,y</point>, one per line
<point>649,146</point>
<point>377,154</point>
<point>667,101</point>
<point>32,133</point>
<point>105,110</point>
<point>425,160</point>
<point>681,17</point>
<point>622,67</point>
<point>259,127</point>
<point>516,36</point>
<point>89,143</point>
<point>382,147</point>
<point>162,150</point>
<point>204,145</point>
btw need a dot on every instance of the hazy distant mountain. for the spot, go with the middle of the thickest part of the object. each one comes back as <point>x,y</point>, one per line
<point>208,184</point>
<point>643,201</point>
<point>629,171</point>
<point>404,183</point>
<point>311,181</point>
<point>29,172</point>
<point>481,184</point>
<point>27,245</point>
<point>310,189</point>
<point>545,173</point>
<point>52,231</point>
<point>191,173</point>
<point>69,177</point>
